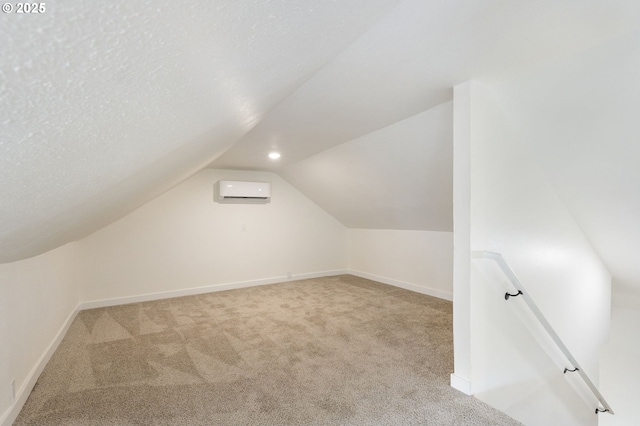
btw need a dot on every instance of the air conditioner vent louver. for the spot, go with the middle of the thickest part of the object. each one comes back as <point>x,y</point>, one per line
<point>238,190</point>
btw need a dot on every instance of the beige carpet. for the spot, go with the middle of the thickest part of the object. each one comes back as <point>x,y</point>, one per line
<point>331,351</point>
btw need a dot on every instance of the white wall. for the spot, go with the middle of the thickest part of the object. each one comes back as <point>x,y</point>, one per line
<point>417,260</point>
<point>183,240</point>
<point>398,177</point>
<point>37,297</point>
<point>620,375</point>
<point>515,211</point>
<point>461,376</point>
<point>581,119</point>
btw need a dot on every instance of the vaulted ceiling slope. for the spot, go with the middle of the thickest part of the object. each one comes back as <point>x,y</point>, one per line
<point>399,177</point>
<point>409,62</point>
<point>104,105</point>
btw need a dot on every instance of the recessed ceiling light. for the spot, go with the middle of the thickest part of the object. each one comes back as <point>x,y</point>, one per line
<point>274,155</point>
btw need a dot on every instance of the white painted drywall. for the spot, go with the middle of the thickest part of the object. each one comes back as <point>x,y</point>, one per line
<point>409,60</point>
<point>515,211</point>
<point>619,372</point>
<point>461,376</point>
<point>87,83</point>
<point>183,240</point>
<point>398,177</point>
<point>622,298</point>
<point>37,296</point>
<point>581,120</point>
<point>416,260</point>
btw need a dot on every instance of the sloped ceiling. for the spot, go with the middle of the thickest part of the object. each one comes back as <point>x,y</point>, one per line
<point>104,105</point>
<point>399,177</point>
<point>409,62</point>
<point>107,104</point>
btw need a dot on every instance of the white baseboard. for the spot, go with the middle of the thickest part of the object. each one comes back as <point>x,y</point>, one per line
<point>22,394</point>
<point>201,290</point>
<point>252,283</point>
<point>402,284</point>
<point>463,385</point>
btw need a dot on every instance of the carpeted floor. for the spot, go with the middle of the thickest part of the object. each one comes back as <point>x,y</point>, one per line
<point>329,351</point>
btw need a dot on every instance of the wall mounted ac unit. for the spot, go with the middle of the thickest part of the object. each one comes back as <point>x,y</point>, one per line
<point>232,190</point>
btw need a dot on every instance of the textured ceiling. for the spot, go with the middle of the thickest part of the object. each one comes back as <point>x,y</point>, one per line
<point>104,105</point>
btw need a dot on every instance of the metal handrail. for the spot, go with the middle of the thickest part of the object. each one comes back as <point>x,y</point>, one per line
<point>497,257</point>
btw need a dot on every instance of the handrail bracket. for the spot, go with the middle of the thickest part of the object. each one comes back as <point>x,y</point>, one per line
<point>507,295</point>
